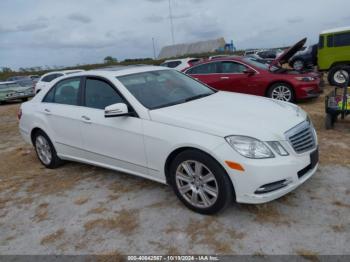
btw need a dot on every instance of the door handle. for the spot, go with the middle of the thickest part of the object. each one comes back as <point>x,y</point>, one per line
<point>47,111</point>
<point>224,77</point>
<point>86,119</point>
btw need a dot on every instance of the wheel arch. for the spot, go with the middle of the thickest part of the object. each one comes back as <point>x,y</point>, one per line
<point>179,150</point>
<point>339,63</point>
<point>34,131</point>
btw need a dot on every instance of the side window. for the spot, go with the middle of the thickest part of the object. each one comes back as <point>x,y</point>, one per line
<point>342,39</point>
<point>321,42</point>
<point>51,77</point>
<point>49,96</point>
<point>173,64</point>
<point>209,68</point>
<point>330,41</point>
<point>99,94</point>
<point>232,68</point>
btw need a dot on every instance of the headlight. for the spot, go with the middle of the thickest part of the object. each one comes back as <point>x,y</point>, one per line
<point>305,78</point>
<point>249,147</point>
<point>277,147</point>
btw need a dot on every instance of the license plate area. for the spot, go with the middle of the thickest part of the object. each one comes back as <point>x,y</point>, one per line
<point>314,158</point>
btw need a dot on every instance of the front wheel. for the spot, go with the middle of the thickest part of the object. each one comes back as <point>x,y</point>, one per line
<point>338,75</point>
<point>281,91</point>
<point>200,182</point>
<point>46,151</point>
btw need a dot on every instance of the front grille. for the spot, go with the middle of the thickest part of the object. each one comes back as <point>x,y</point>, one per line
<point>302,137</point>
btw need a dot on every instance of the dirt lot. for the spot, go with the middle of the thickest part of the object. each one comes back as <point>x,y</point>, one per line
<point>79,209</point>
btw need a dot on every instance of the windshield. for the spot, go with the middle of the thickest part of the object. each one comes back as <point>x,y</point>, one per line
<point>156,89</point>
<point>254,62</point>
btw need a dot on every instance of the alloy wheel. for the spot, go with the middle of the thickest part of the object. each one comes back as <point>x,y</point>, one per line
<point>282,93</point>
<point>197,184</point>
<point>340,76</point>
<point>43,149</point>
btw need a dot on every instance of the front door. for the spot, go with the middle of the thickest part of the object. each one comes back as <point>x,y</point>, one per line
<point>115,142</point>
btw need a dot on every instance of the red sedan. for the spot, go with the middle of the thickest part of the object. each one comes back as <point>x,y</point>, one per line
<point>247,75</point>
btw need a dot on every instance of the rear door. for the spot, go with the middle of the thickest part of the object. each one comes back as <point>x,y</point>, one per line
<point>208,73</point>
<point>61,111</point>
<point>235,79</point>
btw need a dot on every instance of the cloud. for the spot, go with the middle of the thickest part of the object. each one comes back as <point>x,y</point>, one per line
<point>80,18</point>
<point>34,25</point>
<point>295,20</point>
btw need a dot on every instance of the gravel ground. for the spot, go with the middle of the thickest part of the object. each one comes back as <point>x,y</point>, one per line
<point>80,209</point>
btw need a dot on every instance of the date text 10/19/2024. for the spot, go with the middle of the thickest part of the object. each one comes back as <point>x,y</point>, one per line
<point>173,258</point>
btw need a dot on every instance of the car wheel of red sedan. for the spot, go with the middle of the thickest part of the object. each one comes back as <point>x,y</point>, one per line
<point>281,91</point>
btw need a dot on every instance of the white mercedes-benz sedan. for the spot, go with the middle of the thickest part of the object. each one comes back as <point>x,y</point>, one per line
<point>211,147</point>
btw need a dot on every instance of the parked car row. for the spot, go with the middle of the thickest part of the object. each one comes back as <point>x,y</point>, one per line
<point>11,90</point>
<point>251,76</point>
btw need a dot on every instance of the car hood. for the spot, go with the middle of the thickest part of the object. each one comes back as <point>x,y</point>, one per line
<point>286,55</point>
<point>225,113</point>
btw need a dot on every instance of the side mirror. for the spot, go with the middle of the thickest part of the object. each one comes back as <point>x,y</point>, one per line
<point>116,110</point>
<point>249,72</point>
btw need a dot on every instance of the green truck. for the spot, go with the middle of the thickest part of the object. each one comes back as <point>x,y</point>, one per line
<point>334,53</point>
<point>13,91</point>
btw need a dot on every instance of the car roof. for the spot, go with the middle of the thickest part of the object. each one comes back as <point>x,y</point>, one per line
<point>336,30</point>
<point>64,71</point>
<point>8,82</point>
<point>121,71</point>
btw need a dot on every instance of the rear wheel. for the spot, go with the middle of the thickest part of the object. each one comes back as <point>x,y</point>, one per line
<point>281,91</point>
<point>46,151</point>
<point>200,182</point>
<point>337,75</point>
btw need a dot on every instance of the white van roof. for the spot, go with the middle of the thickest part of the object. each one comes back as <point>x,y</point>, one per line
<point>336,30</point>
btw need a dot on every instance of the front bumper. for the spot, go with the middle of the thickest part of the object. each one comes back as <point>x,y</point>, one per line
<point>17,97</point>
<point>260,172</point>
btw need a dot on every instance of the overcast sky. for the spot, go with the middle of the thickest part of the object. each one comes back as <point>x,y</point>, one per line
<point>70,32</point>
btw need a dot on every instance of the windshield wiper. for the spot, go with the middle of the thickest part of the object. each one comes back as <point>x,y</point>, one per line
<point>197,97</point>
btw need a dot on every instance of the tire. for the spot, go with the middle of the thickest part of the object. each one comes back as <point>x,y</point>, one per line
<point>218,183</point>
<point>334,75</point>
<point>45,150</point>
<point>329,122</point>
<point>281,91</point>
<point>298,65</point>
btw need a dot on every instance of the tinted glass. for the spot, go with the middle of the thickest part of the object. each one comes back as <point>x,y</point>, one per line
<point>209,68</point>
<point>163,88</point>
<point>51,77</point>
<point>321,42</point>
<point>173,64</point>
<point>232,67</point>
<point>342,39</point>
<point>330,41</point>
<point>99,94</point>
<point>65,92</point>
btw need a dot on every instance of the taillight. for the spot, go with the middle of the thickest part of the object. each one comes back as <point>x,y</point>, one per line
<point>19,114</point>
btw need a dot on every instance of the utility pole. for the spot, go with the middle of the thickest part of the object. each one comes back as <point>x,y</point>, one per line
<point>154,49</point>
<point>171,23</point>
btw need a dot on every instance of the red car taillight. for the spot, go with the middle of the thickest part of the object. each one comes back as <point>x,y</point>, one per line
<point>19,114</point>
